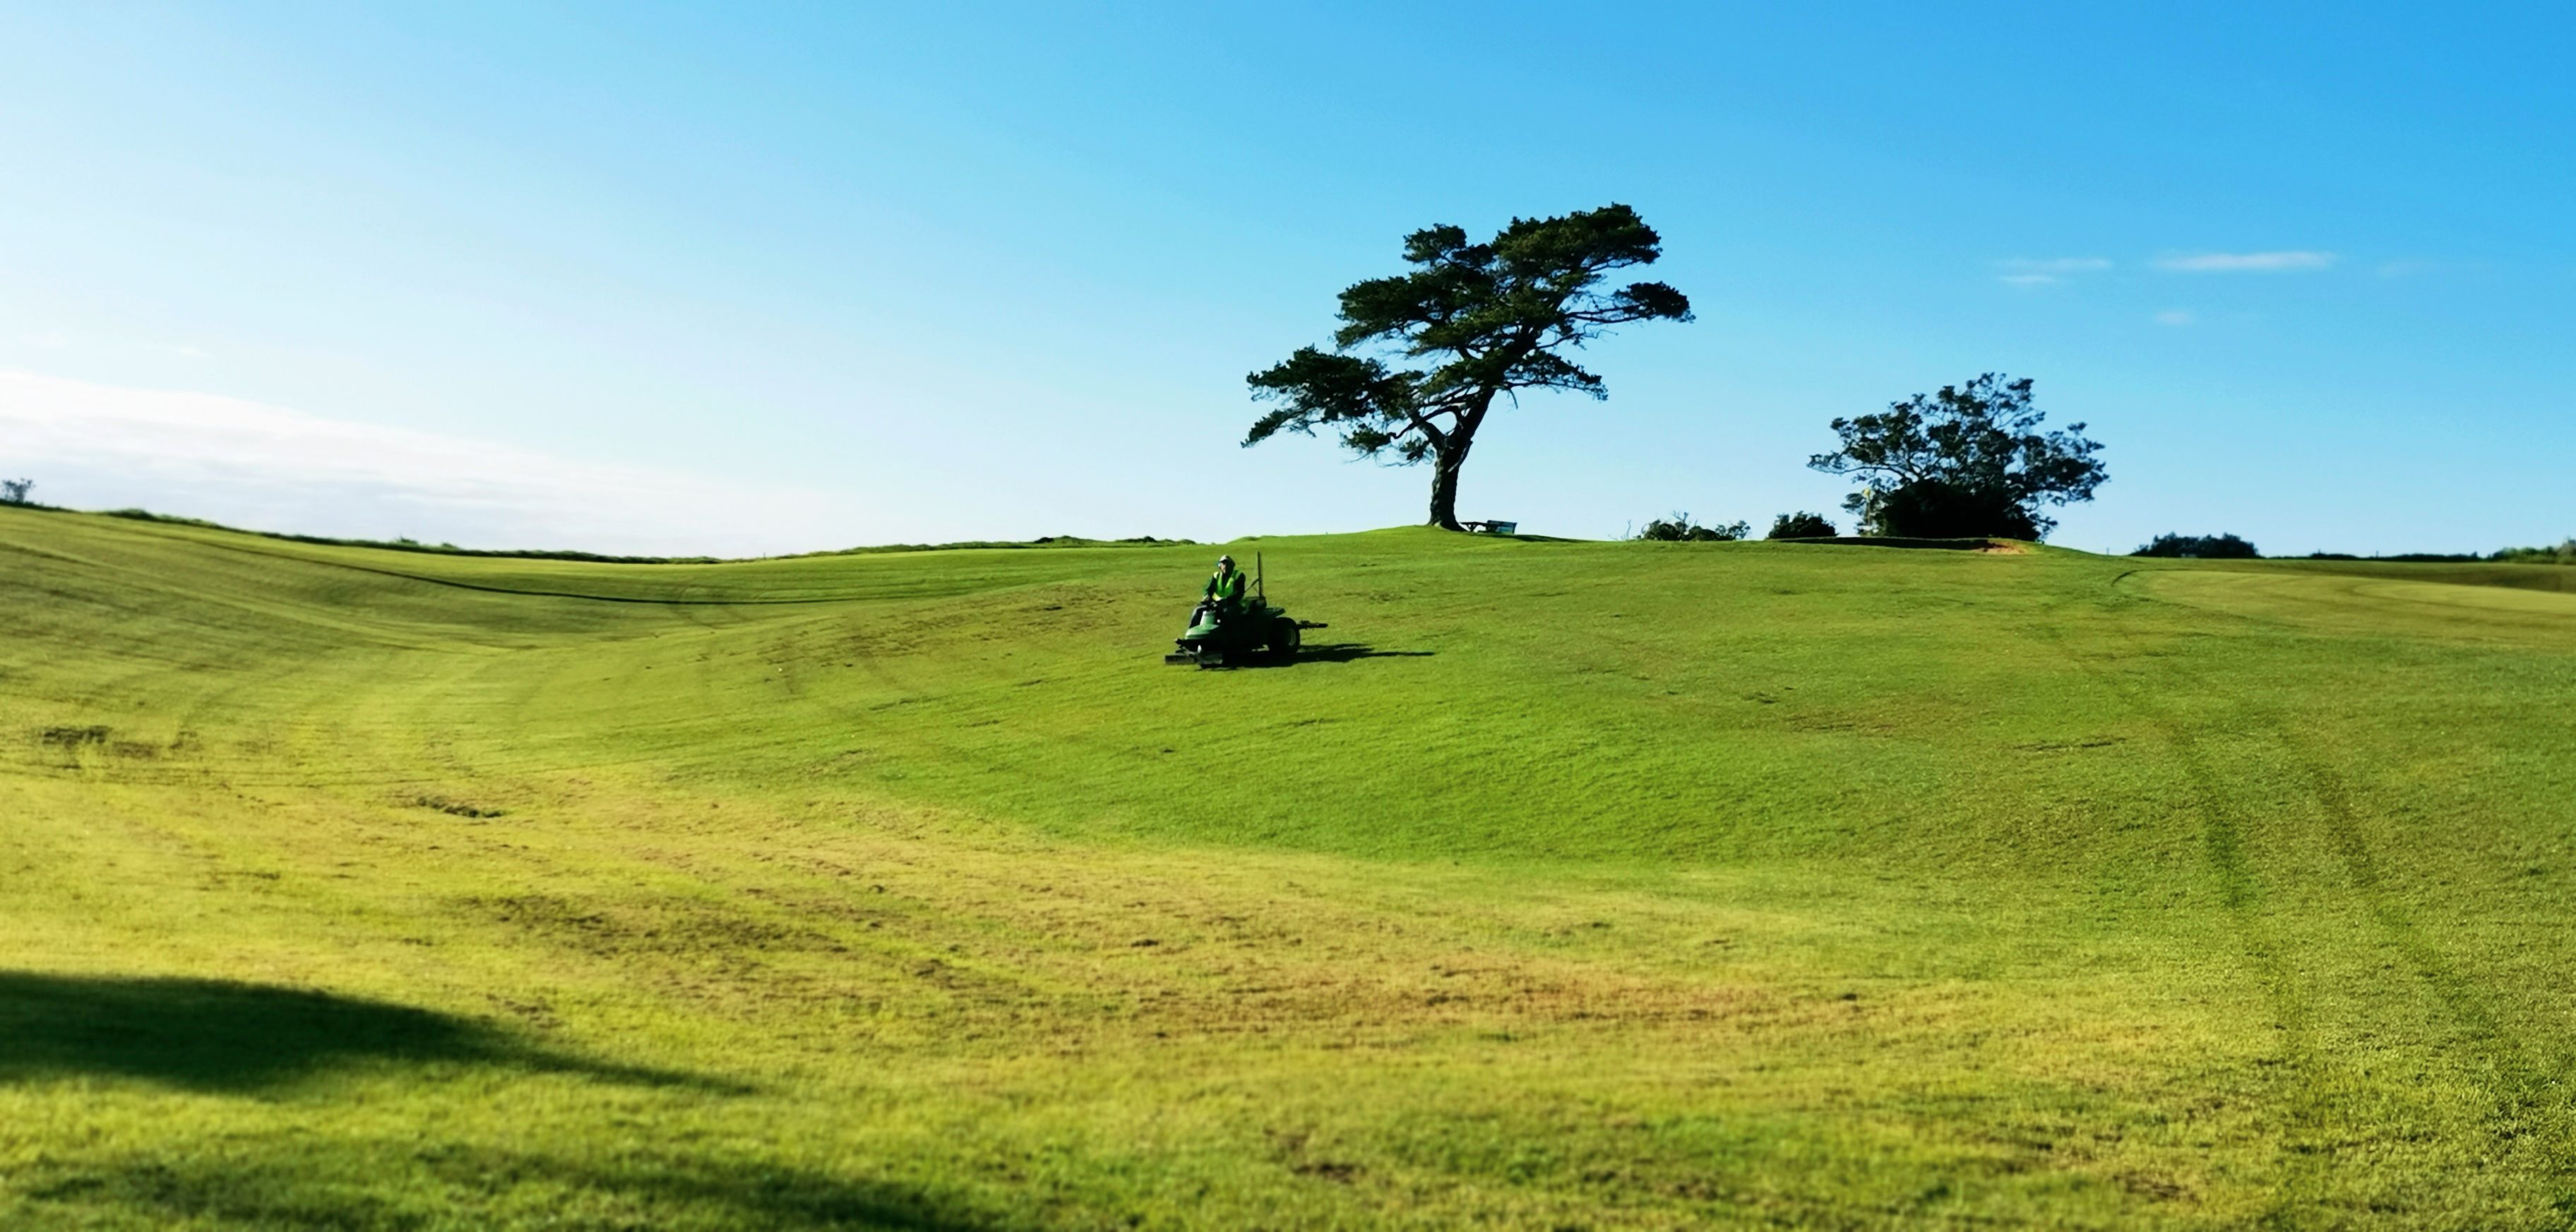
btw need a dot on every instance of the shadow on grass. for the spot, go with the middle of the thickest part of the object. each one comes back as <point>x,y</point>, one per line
<point>369,1185</point>
<point>214,1035</point>
<point>1890,541</point>
<point>1345,652</point>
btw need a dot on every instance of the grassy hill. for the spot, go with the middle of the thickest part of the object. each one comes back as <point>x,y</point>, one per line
<point>1560,885</point>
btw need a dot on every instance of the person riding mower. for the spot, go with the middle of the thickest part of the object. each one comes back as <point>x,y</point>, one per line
<point>1231,627</point>
<point>1224,593</point>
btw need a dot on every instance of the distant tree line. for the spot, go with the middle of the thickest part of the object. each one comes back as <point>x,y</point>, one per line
<point>2231,547</point>
<point>2563,554</point>
<point>14,491</point>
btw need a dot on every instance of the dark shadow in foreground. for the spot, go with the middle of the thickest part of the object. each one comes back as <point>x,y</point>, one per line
<point>368,1185</point>
<point>1344,652</point>
<point>217,1035</point>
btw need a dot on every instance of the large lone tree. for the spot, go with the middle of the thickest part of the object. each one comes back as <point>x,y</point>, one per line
<point>1489,320</point>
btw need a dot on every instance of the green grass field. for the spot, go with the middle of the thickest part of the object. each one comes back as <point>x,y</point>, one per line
<point>1561,885</point>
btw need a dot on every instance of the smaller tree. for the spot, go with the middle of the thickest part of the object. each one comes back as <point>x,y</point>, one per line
<point>1968,461</point>
<point>14,491</point>
<point>1802,525</point>
<point>2199,547</point>
<point>1680,529</point>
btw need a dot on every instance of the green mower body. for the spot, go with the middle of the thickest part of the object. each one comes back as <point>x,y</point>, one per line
<point>1252,632</point>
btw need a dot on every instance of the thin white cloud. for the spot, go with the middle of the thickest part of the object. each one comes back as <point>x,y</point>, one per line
<point>271,468</point>
<point>2177,317</point>
<point>2412,268</point>
<point>2247,262</point>
<point>2047,271</point>
<point>51,340</point>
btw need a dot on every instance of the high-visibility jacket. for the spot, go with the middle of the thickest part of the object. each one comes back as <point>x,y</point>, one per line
<point>1226,587</point>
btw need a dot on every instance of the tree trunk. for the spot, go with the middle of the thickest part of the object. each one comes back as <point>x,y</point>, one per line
<point>1444,487</point>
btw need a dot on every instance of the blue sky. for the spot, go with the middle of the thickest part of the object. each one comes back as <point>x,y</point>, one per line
<point>759,278</point>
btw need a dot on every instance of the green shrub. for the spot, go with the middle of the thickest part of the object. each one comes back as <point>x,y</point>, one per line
<point>2199,547</point>
<point>1802,525</point>
<point>1680,529</point>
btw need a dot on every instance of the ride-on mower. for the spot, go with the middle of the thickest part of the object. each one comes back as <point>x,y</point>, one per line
<point>1255,632</point>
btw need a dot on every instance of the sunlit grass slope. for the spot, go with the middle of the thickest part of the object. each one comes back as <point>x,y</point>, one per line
<point>1561,885</point>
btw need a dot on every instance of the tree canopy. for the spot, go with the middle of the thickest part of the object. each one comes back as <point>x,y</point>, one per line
<point>1969,460</point>
<point>1471,323</point>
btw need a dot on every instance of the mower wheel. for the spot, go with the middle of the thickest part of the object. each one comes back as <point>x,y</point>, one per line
<point>1284,640</point>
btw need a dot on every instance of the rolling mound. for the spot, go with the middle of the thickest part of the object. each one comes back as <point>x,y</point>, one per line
<point>1558,884</point>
